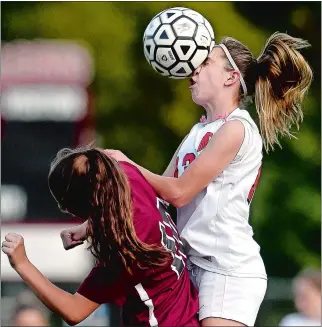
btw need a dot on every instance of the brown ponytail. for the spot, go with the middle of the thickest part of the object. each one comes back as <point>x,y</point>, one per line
<point>91,185</point>
<point>284,77</point>
<point>278,80</point>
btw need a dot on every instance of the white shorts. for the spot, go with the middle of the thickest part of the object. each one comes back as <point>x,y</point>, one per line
<point>228,297</point>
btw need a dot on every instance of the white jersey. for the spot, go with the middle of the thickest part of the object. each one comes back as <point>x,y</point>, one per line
<point>214,226</point>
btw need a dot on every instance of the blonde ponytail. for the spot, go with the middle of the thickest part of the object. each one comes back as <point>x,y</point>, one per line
<point>278,80</point>
<point>284,77</point>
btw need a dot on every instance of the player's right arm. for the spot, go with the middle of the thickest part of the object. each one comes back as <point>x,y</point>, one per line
<point>71,308</point>
<point>169,172</point>
<point>218,154</point>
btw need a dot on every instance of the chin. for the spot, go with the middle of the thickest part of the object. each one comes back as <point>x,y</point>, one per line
<point>197,99</point>
<point>195,96</point>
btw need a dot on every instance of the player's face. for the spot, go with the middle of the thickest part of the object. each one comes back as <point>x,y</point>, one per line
<point>209,78</point>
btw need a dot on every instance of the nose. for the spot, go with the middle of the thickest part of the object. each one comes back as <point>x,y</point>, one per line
<point>196,71</point>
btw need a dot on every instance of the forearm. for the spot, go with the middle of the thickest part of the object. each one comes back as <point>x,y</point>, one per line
<point>168,188</point>
<point>83,227</point>
<point>54,298</point>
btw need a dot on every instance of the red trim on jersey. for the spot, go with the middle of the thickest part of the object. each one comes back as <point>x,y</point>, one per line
<point>253,189</point>
<point>205,140</point>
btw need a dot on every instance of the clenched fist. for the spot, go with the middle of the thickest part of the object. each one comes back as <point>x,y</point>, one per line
<point>74,236</point>
<point>14,248</point>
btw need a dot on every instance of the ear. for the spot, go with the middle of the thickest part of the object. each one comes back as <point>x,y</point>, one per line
<point>233,77</point>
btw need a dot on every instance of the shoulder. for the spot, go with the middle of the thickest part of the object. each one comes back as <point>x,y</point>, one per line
<point>138,183</point>
<point>232,132</point>
<point>234,126</point>
<point>130,170</point>
<point>144,201</point>
<point>252,141</point>
<point>243,116</point>
<point>135,177</point>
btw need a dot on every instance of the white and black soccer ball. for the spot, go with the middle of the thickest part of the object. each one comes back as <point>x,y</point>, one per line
<point>177,41</point>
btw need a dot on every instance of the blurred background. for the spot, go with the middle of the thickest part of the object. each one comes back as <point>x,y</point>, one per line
<point>74,72</point>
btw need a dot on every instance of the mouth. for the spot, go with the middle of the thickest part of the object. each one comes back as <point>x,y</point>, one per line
<point>192,83</point>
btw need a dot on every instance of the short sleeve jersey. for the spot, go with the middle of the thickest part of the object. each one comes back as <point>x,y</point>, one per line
<point>162,296</point>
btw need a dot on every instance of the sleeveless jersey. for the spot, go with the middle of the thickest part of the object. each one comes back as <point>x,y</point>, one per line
<point>214,226</point>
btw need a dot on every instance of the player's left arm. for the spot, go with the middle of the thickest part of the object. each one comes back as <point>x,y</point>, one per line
<point>71,308</point>
<point>218,154</point>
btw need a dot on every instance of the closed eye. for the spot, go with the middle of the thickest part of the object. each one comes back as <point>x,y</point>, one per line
<point>206,62</point>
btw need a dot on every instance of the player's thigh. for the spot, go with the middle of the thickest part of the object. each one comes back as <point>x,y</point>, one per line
<point>230,298</point>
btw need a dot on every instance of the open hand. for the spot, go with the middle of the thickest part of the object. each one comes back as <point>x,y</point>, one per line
<point>14,248</point>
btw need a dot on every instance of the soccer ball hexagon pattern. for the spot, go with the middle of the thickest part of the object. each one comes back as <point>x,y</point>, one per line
<point>177,41</point>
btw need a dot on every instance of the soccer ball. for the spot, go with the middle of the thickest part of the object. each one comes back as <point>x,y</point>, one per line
<point>177,41</point>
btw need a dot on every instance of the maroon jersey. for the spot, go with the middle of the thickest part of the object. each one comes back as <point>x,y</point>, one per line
<point>162,296</point>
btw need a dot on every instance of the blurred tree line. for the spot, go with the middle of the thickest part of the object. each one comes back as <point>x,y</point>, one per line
<point>147,115</point>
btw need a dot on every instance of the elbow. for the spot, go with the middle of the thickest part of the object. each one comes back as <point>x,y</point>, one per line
<point>179,202</point>
<point>175,193</point>
<point>73,319</point>
<point>178,199</point>
<point>73,311</point>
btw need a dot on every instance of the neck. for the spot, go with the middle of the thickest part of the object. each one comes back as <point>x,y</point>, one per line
<point>220,109</point>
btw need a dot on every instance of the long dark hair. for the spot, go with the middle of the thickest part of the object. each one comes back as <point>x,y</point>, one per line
<point>89,184</point>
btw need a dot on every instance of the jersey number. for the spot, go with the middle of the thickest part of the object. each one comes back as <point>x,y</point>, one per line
<point>190,157</point>
<point>187,160</point>
<point>171,243</point>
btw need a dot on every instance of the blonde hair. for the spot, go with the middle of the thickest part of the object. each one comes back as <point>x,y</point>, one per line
<point>278,80</point>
